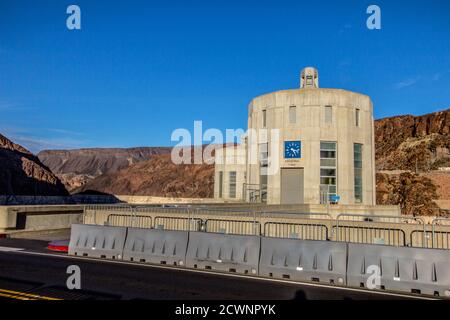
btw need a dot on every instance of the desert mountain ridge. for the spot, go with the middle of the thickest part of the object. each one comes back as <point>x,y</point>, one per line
<point>416,143</point>
<point>22,173</point>
<point>78,166</point>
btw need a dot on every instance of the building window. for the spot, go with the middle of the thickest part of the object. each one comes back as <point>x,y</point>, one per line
<point>232,184</point>
<point>357,117</point>
<point>263,167</point>
<point>357,156</point>
<point>328,168</point>
<point>328,114</point>
<point>220,184</point>
<point>264,118</point>
<point>292,114</point>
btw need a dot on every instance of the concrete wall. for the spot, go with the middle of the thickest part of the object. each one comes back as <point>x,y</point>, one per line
<point>56,200</point>
<point>332,210</point>
<point>164,200</point>
<point>39,217</point>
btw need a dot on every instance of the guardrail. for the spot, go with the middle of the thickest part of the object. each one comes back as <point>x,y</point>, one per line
<point>389,230</point>
<point>296,231</point>
<point>185,224</point>
<point>440,238</point>
<point>233,226</point>
<point>123,220</point>
<point>356,228</point>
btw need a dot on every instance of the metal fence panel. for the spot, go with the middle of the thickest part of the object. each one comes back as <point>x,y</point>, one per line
<point>172,223</point>
<point>233,226</point>
<point>377,229</point>
<point>441,233</point>
<point>304,231</point>
<point>370,235</point>
<point>122,220</point>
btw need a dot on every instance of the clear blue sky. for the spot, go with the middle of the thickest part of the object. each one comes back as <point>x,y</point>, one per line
<point>137,70</point>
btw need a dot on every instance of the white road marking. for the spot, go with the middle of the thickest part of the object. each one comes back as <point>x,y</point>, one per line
<point>366,291</point>
<point>10,249</point>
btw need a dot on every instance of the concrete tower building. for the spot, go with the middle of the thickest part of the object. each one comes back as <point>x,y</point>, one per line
<point>325,150</point>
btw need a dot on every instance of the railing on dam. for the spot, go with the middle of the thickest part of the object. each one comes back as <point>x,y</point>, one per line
<point>389,230</point>
<point>355,228</point>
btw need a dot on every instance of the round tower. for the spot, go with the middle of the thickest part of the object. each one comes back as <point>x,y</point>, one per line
<point>309,78</point>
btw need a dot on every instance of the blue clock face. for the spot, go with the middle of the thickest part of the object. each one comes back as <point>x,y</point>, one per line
<point>292,149</point>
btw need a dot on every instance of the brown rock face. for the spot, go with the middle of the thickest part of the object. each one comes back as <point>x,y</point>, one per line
<point>77,167</point>
<point>414,193</point>
<point>158,176</point>
<point>21,173</point>
<point>418,146</point>
<point>413,143</point>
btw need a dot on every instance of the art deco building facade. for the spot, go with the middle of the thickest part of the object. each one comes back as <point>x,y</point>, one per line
<point>324,150</point>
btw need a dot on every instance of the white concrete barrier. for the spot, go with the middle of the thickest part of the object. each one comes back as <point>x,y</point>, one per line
<point>411,270</point>
<point>303,260</point>
<point>156,246</point>
<point>223,252</point>
<point>97,241</point>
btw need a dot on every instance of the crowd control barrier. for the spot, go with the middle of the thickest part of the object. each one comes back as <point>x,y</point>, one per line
<point>97,241</point>
<point>304,260</point>
<point>223,252</point>
<point>411,270</point>
<point>156,246</point>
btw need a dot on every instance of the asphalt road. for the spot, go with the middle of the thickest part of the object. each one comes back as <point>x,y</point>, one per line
<point>36,272</point>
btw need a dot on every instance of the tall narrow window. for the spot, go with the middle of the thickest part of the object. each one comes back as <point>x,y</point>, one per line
<point>292,114</point>
<point>220,184</point>
<point>263,166</point>
<point>232,184</point>
<point>328,168</point>
<point>357,157</point>
<point>328,114</point>
<point>264,118</point>
<point>357,117</point>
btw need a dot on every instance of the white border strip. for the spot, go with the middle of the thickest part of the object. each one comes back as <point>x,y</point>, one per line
<point>10,249</point>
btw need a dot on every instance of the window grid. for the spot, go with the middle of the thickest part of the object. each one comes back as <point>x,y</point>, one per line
<point>232,182</point>
<point>328,166</point>
<point>357,156</point>
<point>264,164</point>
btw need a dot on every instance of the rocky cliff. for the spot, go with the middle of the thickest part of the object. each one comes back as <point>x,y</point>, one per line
<point>414,193</point>
<point>417,143</point>
<point>409,152</point>
<point>76,167</point>
<point>158,176</point>
<point>22,173</point>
